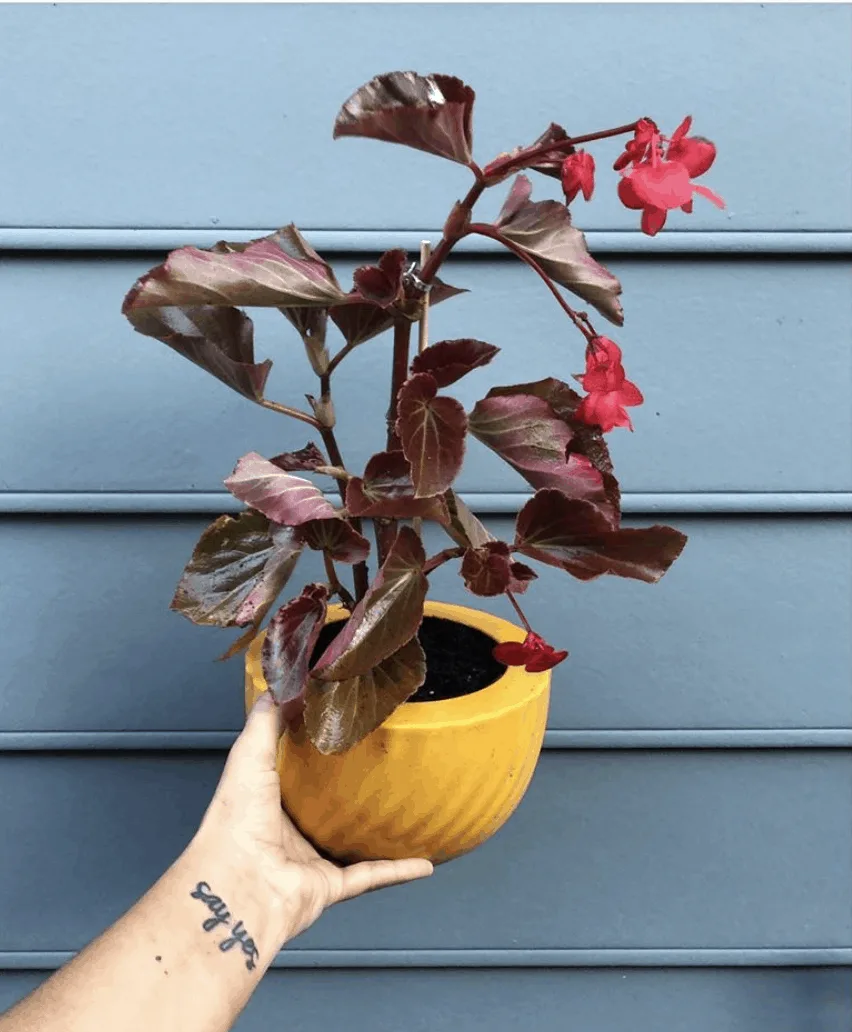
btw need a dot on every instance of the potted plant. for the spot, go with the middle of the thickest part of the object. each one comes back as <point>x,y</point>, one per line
<point>412,727</point>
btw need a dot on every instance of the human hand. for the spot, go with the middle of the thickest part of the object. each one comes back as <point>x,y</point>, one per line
<point>246,826</point>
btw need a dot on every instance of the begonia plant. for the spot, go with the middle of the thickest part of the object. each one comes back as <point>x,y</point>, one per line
<point>552,435</point>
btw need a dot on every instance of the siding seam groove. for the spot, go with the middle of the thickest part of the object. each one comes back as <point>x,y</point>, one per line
<point>666,739</point>
<point>215,502</point>
<point>356,241</point>
<point>512,958</point>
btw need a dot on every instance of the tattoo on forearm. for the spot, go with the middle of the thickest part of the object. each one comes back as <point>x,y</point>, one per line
<point>222,916</point>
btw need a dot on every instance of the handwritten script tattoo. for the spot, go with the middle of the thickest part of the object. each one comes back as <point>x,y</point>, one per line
<point>222,916</point>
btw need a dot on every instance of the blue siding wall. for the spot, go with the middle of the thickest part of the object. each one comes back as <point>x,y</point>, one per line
<point>682,860</point>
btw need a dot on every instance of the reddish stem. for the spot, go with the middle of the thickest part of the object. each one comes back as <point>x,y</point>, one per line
<point>504,166</point>
<point>519,611</point>
<point>434,561</point>
<point>485,230</point>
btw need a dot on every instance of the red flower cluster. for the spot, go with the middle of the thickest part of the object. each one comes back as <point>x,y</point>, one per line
<point>578,173</point>
<point>533,654</point>
<point>659,182</point>
<point>609,390</point>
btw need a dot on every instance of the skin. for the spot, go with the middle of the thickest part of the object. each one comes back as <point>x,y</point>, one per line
<point>248,874</point>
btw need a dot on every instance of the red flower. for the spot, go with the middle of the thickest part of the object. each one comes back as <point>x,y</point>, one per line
<point>659,182</point>
<point>609,390</point>
<point>578,173</point>
<point>637,148</point>
<point>533,654</point>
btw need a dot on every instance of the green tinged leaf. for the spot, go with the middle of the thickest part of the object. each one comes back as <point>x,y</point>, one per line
<point>236,572</point>
<point>385,619</point>
<point>339,714</point>
<point>577,537</point>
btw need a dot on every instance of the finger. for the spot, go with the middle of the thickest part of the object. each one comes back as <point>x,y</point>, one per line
<point>257,743</point>
<point>378,874</point>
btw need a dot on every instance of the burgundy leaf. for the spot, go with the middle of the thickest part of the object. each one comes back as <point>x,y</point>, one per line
<point>543,230</point>
<point>339,714</point>
<point>432,431</point>
<point>549,163</point>
<point>283,498</point>
<point>289,643</point>
<point>546,448</point>
<point>237,570</point>
<point>387,490</point>
<point>450,360</point>
<point>274,271</point>
<point>336,537</point>
<point>360,320</point>
<point>577,537</point>
<point>311,323</point>
<point>488,570</point>
<point>382,284</point>
<point>386,617</point>
<point>521,577</point>
<point>219,340</point>
<point>463,527</point>
<point>431,113</point>
<point>305,459</point>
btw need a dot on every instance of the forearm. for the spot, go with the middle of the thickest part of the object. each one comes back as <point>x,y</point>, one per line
<point>162,965</point>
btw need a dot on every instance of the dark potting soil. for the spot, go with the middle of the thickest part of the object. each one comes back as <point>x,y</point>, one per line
<point>458,658</point>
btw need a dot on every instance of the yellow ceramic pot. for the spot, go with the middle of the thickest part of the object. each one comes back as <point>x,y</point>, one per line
<point>435,780</point>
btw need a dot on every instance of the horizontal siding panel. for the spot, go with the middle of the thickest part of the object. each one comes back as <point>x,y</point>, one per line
<point>606,850</point>
<point>102,408</point>
<point>488,1001</point>
<point>143,146</point>
<point>748,629</point>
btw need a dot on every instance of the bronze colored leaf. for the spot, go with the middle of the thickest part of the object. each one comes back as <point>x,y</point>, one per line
<point>219,340</point>
<point>432,431</point>
<point>489,570</point>
<point>544,231</point>
<point>237,570</point>
<point>280,496</point>
<point>385,619</point>
<point>549,163</point>
<point>382,284</point>
<point>450,360</point>
<point>339,714</point>
<point>577,537</point>
<point>289,643</point>
<point>276,271</point>
<point>311,323</point>
<point>431,113</point>
<point>386,490</point>
<point>463,527</point>
<point>336,537</point>
<point>304,460</point>
<point>532,427</point>
<point>360,320</point>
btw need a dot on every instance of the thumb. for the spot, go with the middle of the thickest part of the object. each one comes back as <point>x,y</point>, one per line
<point>257,743</point>
<point>378,874</point>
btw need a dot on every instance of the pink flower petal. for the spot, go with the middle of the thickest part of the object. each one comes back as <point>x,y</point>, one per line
<point>695,153</point>
<point>713,197</point>
<point>665,185</point>
<point>653,220</point>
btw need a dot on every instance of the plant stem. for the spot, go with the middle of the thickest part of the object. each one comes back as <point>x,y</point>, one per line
<point>360,573</point>
<point>448,241</point>
<point>338,358</point>
<point>422,343</point>
<point>433,562</point>
<point>489,231</point>
<point>504,166</point>
<point>399,373</point>
<point>335,585</point>
<point>285,410</point>
<point>519,611</point>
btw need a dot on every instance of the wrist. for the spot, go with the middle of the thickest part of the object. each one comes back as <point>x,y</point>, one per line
<point>235,899</point>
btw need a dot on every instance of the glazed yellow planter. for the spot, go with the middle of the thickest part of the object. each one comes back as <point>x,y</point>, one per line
<point>435,780</point>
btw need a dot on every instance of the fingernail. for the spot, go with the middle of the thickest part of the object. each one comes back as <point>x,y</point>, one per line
<point>263,702</point>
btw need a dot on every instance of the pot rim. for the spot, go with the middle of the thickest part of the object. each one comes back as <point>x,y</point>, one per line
<point>512,690</point>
